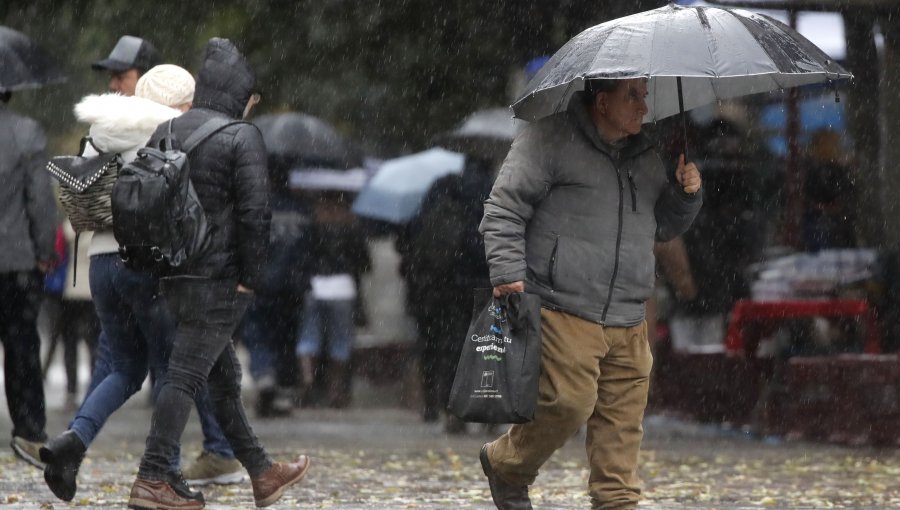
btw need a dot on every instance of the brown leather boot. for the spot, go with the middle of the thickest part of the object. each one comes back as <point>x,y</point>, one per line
<point>308,394</point>
<point>269,486</point>
<point>170,494</point>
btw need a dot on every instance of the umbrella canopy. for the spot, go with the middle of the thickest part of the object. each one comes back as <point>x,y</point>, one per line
<point>23,64</point>
<point>299,140</point>
<point>715,53</point>
<point>395,192</point>
<point>485,133</point>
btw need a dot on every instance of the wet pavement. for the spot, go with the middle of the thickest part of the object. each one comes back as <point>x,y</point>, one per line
<point>378,455</point>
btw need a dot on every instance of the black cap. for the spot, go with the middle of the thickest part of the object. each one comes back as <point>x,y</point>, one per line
<point>129,53</point>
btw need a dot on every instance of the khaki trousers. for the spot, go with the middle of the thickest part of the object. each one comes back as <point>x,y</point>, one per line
<point>589,374</point>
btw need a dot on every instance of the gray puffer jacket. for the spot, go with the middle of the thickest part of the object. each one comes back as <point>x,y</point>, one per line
<point>28,217</point>
<point>576,218</point>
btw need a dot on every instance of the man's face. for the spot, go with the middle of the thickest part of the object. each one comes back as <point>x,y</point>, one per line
<point>622,110</point>
<point>124,82</point>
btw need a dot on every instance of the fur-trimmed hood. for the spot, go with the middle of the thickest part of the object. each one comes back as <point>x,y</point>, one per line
<point>122,123</point>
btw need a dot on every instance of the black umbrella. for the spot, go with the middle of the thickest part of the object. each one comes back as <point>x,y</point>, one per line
<point>23,64</point>
<point>299,140</point>
<point>485,133</point>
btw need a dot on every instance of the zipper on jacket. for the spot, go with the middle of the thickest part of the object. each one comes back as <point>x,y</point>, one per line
<point>553,263</point>
<point>612,280</point>
<point>633,187</point>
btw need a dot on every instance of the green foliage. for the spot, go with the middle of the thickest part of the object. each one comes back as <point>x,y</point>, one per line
<point>389,74</point>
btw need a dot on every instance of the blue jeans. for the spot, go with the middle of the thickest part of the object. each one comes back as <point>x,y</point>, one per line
<point>254,333</point>
<point>269,331</point>
<point>137,333</point>
<point>206,312</point>
<point>334,318</point>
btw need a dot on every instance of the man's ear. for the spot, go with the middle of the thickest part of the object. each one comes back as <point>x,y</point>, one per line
<point>600,102</point>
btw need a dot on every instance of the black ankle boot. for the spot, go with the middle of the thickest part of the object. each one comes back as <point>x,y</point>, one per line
<point>62,456</point>
<point>179,485</point>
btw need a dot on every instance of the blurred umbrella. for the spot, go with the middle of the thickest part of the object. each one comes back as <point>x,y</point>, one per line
<point>299,140</point>
<point>485,133</point>
<point>395,192</point>
<point>23,64</point>
<point>693,56</point>
<point>326,179</point>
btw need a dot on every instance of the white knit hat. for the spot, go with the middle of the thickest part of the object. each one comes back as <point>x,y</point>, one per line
<point>166,84</point>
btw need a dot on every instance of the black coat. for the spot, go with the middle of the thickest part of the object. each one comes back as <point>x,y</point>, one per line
<point>442,251</point>
<point>228,170</point>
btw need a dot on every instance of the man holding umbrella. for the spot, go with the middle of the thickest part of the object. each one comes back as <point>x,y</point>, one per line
<point>582,197</point>
<point>573,217</point>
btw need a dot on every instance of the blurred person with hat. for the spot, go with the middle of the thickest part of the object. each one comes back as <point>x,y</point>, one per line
<point>129,60</point>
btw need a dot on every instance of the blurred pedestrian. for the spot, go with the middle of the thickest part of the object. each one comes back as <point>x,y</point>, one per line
<point>269,328</point>
<point>327,327</point>
<point>829,220</point>
<point>70,317</point>
<point>727,234</point>
<point>573,217</point>
<point>130,58</point>
<point>208,297</point>
<point>443,260</point>
<point>28,222</point>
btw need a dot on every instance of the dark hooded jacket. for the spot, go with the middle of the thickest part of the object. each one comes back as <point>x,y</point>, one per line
<point>228,170</point>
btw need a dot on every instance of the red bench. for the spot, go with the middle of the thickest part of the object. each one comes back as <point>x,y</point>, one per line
<point>746,311</point>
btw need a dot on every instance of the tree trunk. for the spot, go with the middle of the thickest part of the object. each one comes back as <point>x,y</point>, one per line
<point>890,114</point>
<point>862,108</point>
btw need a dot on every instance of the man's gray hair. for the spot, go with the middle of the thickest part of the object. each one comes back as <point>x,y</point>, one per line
<point>592,87</point>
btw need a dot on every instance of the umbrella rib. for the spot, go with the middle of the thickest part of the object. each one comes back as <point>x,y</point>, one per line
<point>710,40</point>
<point>597,53</point>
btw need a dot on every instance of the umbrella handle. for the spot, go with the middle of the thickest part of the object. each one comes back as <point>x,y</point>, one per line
<point>683,117</point>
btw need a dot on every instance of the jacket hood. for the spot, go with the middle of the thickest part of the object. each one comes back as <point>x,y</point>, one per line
<point>121,123</point>
<point>226,79</point>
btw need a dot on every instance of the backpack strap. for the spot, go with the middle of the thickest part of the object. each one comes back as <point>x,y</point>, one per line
<point>206,130</point>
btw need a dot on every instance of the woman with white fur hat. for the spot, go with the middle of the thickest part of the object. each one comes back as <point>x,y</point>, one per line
<point>137,326</point>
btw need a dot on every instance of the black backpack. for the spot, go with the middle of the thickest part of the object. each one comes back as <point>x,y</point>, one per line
<point>158,220</point>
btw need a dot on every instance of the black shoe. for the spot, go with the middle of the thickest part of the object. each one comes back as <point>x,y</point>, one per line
<point>506,496</point>
<point>180,486</point>
<point>430,414</point>
<point>62,457</point>
<point>454,426</point>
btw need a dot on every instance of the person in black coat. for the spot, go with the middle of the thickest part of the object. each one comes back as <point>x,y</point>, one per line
<point>443,261</point>
<point>269,328</point>
<point>210,294</point>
